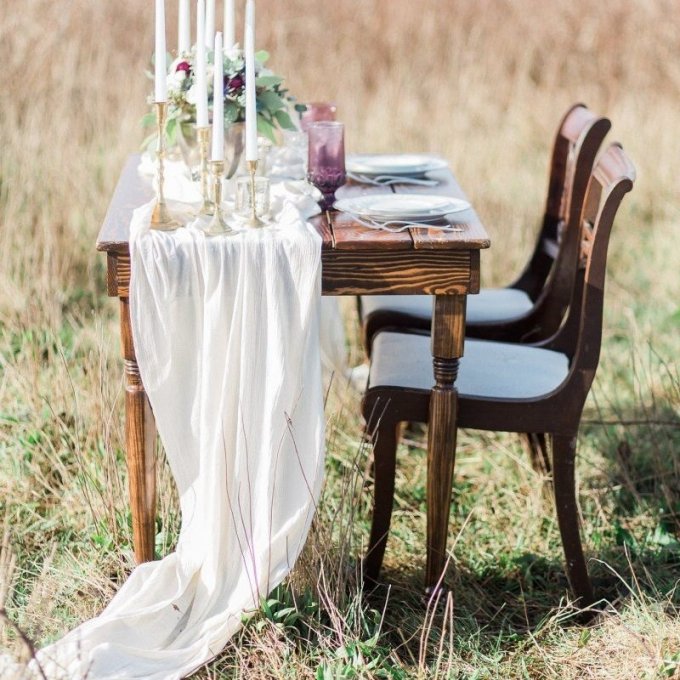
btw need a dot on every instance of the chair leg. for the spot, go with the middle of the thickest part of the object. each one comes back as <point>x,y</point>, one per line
<point>564,454</point>
<point>538,451</point>
<point>385,442</point>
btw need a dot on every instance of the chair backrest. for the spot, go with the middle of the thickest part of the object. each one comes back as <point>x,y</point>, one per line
<point>577,142</point>
<point>548,277</point>
<point>580,336</point>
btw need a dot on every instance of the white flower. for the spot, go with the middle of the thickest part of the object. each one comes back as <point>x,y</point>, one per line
<point>234,53</point>
<point>176,79</point>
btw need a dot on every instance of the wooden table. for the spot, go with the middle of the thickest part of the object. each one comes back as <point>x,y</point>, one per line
<point>355,261</point>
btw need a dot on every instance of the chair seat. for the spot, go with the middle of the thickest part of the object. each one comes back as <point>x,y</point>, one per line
<point>488,369</point>
<point>491,305</point>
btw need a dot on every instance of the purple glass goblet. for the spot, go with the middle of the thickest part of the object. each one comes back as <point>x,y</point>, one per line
<point>326,160</point>
<point>317,112</point>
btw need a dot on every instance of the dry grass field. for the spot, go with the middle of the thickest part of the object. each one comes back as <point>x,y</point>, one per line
<point>484,83</point>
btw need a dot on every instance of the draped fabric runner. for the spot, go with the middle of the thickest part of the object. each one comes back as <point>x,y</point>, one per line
<point>226,331</point>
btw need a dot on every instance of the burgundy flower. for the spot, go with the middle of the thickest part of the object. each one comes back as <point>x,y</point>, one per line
<point>183,66</point>
<point>235,83</point>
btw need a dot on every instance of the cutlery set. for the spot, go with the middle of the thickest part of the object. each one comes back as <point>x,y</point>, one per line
<point>388,180</point>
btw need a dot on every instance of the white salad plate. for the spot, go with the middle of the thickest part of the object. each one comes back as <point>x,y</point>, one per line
<point>406,164</point>
<point>401,206</point>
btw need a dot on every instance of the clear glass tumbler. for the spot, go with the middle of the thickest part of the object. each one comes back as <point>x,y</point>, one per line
<point>294,153</point>
<point>244,197</point>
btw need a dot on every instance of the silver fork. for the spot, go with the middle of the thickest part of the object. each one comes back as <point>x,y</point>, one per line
<point>387,180</point>
<point>396,226</point>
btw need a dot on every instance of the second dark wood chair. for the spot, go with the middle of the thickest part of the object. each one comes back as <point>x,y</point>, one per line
<point>507,387</point>
<point>533,306</point>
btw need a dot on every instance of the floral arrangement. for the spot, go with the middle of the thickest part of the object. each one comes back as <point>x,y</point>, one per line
<point>274,103</point>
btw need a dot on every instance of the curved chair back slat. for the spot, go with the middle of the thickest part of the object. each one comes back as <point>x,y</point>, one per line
<point>572,133</point>
<point>580,137</point>
<point>580,336</point>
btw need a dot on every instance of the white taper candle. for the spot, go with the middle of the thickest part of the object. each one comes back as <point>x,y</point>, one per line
<point>184,28</point>
<point>251,106</point>
<point>201,68</point>
<point>210,21</point>
<point>229,24</point>
<point>218,103</point>
<point>161,74</point>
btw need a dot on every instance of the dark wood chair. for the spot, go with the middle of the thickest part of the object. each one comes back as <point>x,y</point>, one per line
<point>509,387</point>
<point>533,306</point>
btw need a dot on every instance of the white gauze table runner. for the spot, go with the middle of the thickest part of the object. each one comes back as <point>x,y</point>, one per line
<point>181,188</point>
<point>226,333</point>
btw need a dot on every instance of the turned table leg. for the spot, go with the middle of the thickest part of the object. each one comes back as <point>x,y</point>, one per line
<point>140,442</point>
<point>448,333</point>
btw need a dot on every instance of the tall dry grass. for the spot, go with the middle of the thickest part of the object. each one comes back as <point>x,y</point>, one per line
<point>483,83</point>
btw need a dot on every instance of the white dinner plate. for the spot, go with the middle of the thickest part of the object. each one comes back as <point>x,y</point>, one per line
<point>406,164</point>
<point>401,206</point>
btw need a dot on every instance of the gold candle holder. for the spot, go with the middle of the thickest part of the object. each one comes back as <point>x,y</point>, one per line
<point>217,225</point>
<point>254,222</point>
<point>161,219</point>
<point>203,134</point>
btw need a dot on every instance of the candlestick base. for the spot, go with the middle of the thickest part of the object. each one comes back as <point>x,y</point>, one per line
<point>255,223</point>
<point>218,226</point>
<point>162,220</point>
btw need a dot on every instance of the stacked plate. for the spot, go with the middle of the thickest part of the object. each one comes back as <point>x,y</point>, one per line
<point>399,165</point>
<point>413,208</point>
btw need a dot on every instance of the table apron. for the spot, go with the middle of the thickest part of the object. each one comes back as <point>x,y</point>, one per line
<point>453,272</point>
<point>399,272</point>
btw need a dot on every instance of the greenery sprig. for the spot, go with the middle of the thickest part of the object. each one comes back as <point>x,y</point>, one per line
<point>274,103</point>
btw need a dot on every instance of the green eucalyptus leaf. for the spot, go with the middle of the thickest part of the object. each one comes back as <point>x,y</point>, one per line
<point>171,131</point>
<point>268,81</point>
<point>148,119</point>
<point>270,101</point>
<point>262,56</point>
<point>231,112</point>
<point>284,120</point>
<point>265,128</point>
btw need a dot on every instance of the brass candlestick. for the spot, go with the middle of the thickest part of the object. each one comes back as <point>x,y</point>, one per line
<point>161,218</point>
<point>254,222</point>
<point>217,225</point>
<point>203,134</point>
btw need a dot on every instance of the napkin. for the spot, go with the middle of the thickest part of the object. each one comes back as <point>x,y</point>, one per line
<point>299,193</point>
